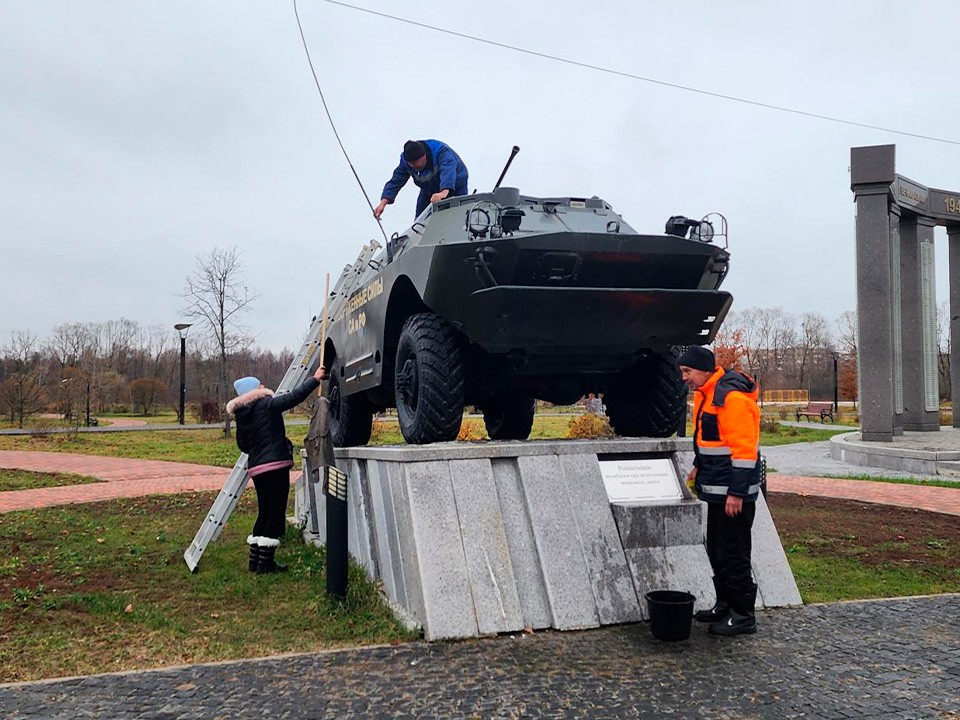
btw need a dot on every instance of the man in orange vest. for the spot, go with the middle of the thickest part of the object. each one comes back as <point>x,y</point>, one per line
<point>726,475</point>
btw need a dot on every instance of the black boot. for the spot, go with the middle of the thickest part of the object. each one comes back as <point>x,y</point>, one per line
<point>720,609</point>
<point>718,612</point>
<point>254,552</point>
<point>266,563</point>
<point>735,624</point>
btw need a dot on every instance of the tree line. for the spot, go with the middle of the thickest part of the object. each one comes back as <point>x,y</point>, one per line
<point>808,352</point>
<point>85,369</point>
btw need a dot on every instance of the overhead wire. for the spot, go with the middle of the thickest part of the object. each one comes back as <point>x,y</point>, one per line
<point>333,125</point>
<point>641,78</point>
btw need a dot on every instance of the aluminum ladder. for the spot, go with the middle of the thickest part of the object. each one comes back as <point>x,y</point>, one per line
<point>303,366</point>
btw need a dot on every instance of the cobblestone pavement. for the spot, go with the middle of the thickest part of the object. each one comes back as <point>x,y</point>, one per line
<point>880,659</point>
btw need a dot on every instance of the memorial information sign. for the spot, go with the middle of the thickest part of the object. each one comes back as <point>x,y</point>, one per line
<point>640,480</point>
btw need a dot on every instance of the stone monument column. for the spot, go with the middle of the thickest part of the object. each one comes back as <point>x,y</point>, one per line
<point>919,373</point>
<point>953,240</point>
<point>871,173</point>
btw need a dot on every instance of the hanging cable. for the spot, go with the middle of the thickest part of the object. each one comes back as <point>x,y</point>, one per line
<point>641,78</point>
<point>333,125</point>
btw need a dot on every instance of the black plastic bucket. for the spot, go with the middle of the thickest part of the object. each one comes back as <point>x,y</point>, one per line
<point>671,613</point>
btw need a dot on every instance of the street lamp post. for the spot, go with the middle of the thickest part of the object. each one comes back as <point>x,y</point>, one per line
<point>182,329</point>
<point>836,386</point>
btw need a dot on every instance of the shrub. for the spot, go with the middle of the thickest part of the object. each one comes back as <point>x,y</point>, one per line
<point>208,412</point>
<point>378,430</point>
<point>769,425</point>
<point>589,426</point>
<point>471,430</point>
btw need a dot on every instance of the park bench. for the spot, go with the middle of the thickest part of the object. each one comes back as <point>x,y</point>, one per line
<point>822,410</point>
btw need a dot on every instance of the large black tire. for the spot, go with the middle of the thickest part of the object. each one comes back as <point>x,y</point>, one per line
<point>649,400</point>
<point>509,418</point>
<point>351,417</point>
<point>429,380</point>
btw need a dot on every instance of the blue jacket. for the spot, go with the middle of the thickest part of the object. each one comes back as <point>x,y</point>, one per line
<point>444,170</point>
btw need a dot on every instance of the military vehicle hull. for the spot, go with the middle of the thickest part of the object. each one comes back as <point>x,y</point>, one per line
<point>495,300</point>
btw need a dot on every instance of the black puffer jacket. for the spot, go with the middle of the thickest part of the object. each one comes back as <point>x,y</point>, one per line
<point>260,430</point>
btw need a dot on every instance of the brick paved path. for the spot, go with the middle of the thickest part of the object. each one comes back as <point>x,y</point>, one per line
<point>923,497</point>
<point>130,478</point>
<point>124,478</point>
<point>875,660</point>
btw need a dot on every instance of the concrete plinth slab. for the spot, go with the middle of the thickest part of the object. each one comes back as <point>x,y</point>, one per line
<point>926,453</point>
<point>485,538</point>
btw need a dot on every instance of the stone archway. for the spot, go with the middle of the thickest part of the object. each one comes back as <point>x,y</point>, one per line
<point>896,295</point>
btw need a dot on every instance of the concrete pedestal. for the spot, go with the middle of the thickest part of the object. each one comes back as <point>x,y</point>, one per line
<point>479,538</point>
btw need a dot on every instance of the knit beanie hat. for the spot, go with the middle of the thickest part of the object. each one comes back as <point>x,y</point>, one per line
<point>246,384</point>
<point>698,358</point>
<point>413,150</point>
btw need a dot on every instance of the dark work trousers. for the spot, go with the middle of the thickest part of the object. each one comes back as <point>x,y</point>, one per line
<point>273,488</point>
<point>728,547</point>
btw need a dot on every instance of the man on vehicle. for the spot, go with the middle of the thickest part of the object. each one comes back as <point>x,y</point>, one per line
<point>726,475</point>
<point>435,168</point>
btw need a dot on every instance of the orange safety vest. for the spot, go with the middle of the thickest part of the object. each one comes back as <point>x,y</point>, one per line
<point>726,436</point>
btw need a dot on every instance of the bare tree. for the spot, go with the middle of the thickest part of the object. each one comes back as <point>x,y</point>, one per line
<point>943,350</point>
<point>813,342</point>
<point>768,336</point>
<point>216,297</point>
<point>23,392</point>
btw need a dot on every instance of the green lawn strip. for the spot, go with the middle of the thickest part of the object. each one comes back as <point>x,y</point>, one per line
<point>205,447</point>
<point>787,434</point>
<point>103,586</point>
<point>851,550</point>
<point>898,481</point>
<point>28,480</point>
<point>829,579</point>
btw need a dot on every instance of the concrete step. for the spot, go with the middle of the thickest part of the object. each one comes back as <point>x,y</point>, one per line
<point>950,468</point>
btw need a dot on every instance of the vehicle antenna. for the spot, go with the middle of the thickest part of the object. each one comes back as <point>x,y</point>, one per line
<point>332,125</point>
<point>513,154</point>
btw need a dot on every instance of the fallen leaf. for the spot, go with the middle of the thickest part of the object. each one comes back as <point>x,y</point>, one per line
<point>128,608</point>
<point>101,540</point>
<point>214,615</point>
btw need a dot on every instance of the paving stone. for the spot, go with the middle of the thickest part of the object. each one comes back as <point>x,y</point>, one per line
<point>803,663</point>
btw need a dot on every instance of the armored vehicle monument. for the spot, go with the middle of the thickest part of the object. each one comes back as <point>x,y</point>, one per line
<point>495,300</point>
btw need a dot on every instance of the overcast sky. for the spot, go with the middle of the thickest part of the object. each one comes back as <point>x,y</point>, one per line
<point>135,135</point>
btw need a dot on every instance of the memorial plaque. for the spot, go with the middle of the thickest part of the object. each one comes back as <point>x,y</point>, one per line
<point>640,480</point>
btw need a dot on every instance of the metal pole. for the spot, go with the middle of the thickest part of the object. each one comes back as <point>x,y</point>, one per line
<point>183,377</point>
<point>836,387</point>
<point>88,403</point>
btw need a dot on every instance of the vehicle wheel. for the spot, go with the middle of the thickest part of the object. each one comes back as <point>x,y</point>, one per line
<point>428,380</point>
<point>351,417</point>
<point>649,400</point>
<point>509,418</point>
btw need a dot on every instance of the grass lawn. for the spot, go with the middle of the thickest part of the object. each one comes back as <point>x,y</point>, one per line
<point>26,480</point>
<point>209,447</point>
<point>848,550</point>
<point>103,587</point>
